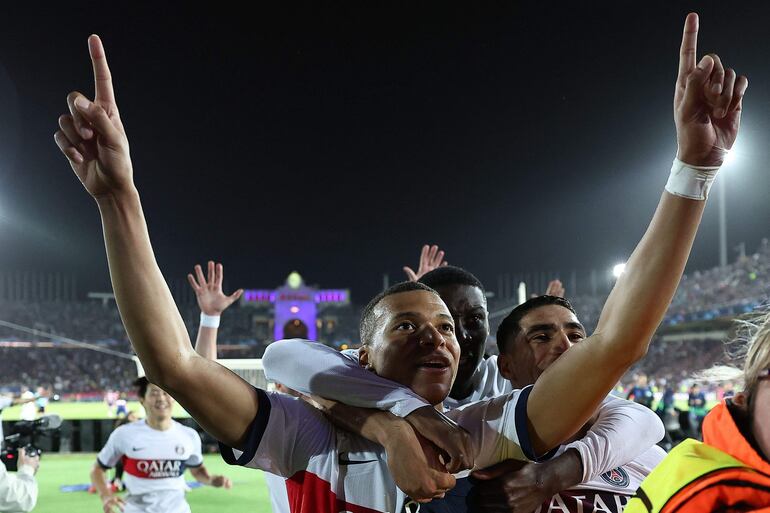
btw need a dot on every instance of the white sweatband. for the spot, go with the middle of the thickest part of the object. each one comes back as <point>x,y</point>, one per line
<point>209,321</point>
<point>689,181</point>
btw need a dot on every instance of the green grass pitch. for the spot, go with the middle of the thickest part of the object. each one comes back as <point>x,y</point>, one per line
<point>248,494</point>
<point>83,410</point>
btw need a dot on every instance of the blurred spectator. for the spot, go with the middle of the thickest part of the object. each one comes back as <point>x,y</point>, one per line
<point>641,392</point>
<point>697,405</point>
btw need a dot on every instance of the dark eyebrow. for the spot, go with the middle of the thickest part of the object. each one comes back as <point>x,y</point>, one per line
<point>575,326</point>
<point>541,327</point>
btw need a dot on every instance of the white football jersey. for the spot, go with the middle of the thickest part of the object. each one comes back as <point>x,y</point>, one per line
<point>154,463</point>
<point>328,470</point>
<point>610,491</point>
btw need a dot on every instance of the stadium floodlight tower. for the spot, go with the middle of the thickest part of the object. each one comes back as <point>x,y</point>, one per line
<point>296,306</point>
<point>729,162</point>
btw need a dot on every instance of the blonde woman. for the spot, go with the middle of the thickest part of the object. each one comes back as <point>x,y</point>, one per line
<point>730,469</point>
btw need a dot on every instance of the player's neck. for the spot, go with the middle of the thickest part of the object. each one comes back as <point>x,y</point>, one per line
<point>160,424</point>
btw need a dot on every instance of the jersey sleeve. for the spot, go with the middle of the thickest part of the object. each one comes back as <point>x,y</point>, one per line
<point>283,437</point>
<point>622,431</point>
<point>313,368</point>
<point>499,429</point>
<point>18,492</point>
<point>196,457</point>
<point>5,402</point>
<point>112,450</point>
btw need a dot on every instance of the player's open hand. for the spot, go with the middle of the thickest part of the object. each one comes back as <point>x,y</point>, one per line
<point>555,288</point>
<point>707,103</point>
<point>113,503</point>
<point>221,482</point>
<point>92,137</point>
<point>431,257</point>
<point>453,440</point>
<point>211,299</point>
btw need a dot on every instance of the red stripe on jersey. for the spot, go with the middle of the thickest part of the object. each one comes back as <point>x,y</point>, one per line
<point>153,469</point>
<point>308,493</point>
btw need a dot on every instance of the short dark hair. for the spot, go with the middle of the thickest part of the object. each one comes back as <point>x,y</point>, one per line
<point>141,385</point>
<point>510,328</point>
<point>450,275</point>
<point>369,322</point>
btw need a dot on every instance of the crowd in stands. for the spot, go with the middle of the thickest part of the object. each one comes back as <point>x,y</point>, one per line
<point>66,371</point>
<point>720,292</point>
<point>728,291</point>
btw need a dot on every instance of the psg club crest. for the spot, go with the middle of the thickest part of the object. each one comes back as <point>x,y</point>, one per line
<point>616,477</point>
<point>180,450</point>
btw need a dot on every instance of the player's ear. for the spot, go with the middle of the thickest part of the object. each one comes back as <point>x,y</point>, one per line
<point>741,400</point>
<point>363,356</point>
<point>506,367</point>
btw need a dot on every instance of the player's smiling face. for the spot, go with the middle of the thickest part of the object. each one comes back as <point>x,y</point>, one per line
<point>157,403</point>
<point>468,308</point>
<point>414,344</point>
<point>546,333</point>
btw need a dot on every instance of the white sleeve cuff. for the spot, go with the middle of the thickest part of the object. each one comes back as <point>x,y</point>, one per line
<point>405,406</point>
<point>586,459</point>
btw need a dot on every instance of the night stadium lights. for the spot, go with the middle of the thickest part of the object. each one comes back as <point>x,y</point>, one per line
<point>618,270</point>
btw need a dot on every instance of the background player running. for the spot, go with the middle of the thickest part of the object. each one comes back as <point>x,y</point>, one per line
<point>155,453</point>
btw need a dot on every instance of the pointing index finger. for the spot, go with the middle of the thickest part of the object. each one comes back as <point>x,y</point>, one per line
<point>687,51</point>
<point>104,93</point>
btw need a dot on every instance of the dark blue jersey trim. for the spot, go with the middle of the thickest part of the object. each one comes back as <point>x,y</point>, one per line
<point>256,430</point>
<point>522,428</point>
<point>104,467</point>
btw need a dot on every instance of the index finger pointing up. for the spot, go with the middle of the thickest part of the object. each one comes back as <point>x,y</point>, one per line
<point>104,93</point>
<point>687,52</point>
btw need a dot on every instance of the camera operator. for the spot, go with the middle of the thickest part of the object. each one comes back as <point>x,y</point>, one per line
<point>18,492</point>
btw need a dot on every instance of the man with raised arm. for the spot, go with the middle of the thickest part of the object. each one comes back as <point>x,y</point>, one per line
<point>213,302</point>
<point>94,141</point>
<point>464,296</point>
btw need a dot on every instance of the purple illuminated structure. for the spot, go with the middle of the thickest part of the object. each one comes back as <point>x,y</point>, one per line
<point>295,306</point>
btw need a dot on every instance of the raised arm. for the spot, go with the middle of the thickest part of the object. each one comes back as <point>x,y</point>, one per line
<point>707,109</point>
<point>213,302</point>
<point>431,257</point>
<point>312,368</point>
<point>94,141</point>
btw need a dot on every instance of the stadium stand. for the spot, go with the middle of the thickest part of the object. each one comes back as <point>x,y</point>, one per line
<point>703,298</point>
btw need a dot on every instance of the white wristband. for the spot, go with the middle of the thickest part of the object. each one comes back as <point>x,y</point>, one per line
<point>209,321</point>
<point>689,181</point>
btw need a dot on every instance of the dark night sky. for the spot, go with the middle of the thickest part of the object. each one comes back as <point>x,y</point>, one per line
<point>336,140</point>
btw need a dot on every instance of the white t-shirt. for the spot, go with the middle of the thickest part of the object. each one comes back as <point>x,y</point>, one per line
<point>154,462</point>
<point>328,470</point>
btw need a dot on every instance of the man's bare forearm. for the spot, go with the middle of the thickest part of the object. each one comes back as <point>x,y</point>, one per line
<point>632,314</point>
<point>644,291</point>
<point>99,480</point>
<point>206,342</point>
<point>153,323</point>
<point>208,391</point>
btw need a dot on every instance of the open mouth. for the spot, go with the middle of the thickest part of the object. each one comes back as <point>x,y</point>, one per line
<point>435,363</point>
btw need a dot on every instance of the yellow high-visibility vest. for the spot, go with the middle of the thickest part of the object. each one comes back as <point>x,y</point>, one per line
<point>696,477</point>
